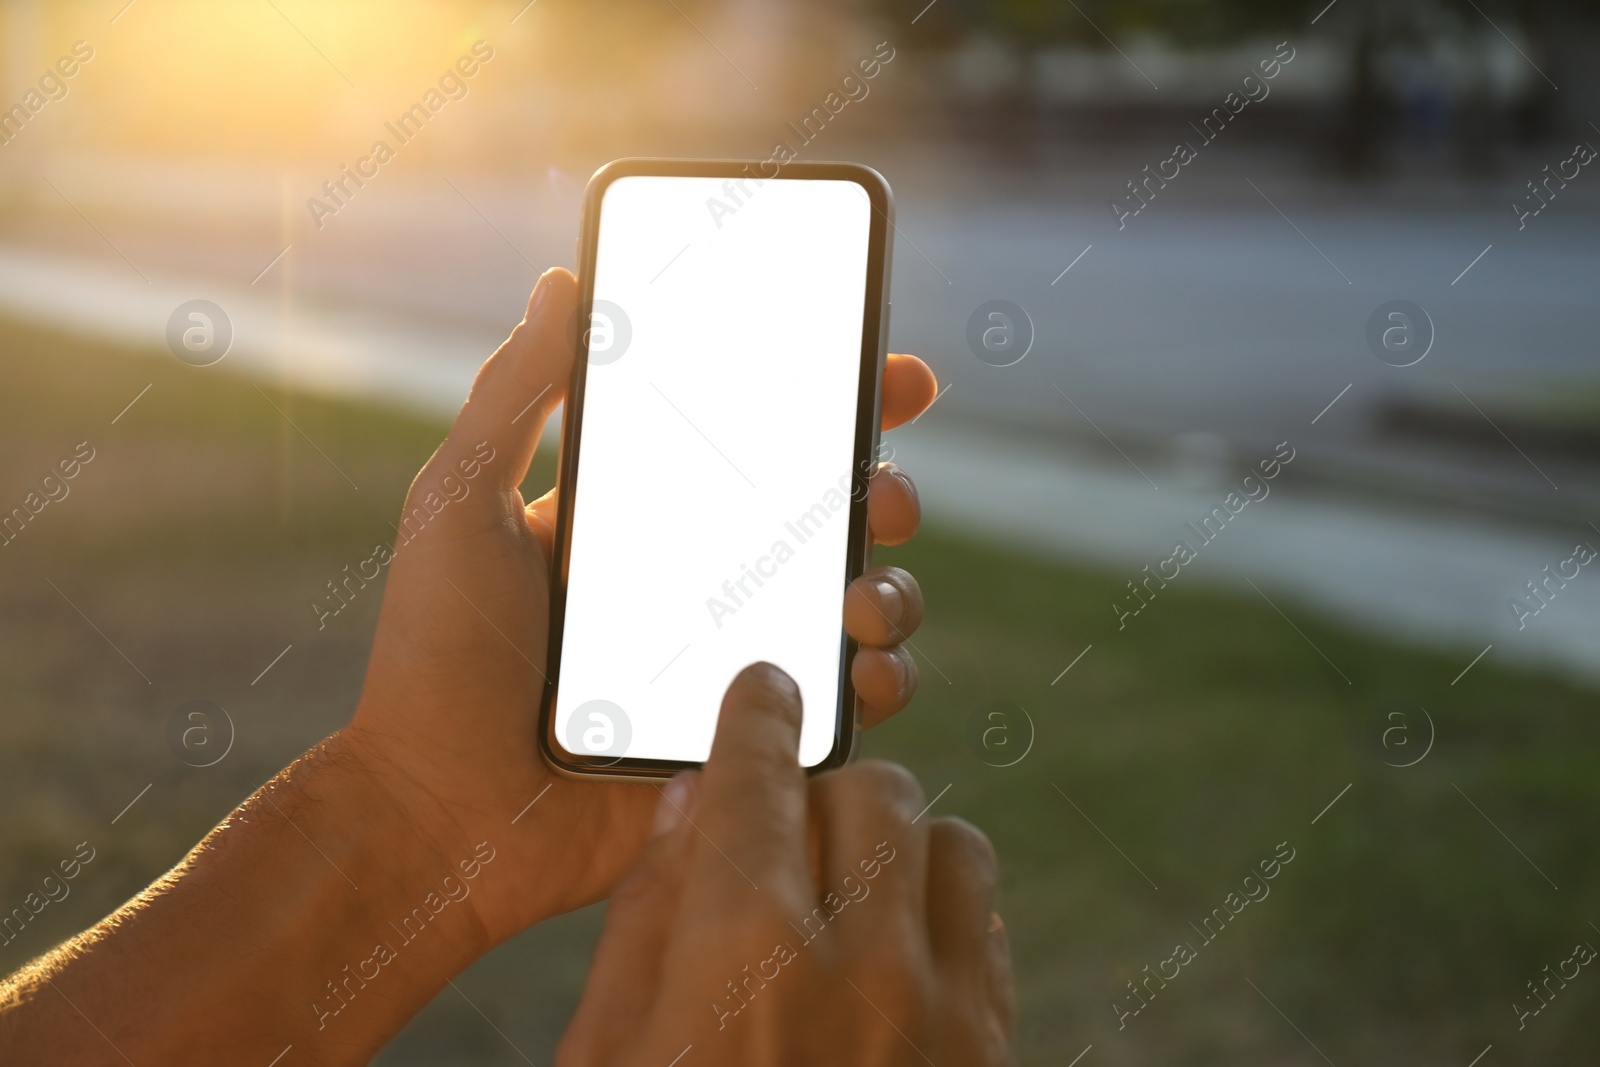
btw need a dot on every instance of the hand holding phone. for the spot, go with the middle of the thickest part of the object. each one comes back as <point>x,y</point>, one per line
<point>448,715</point>
<point>827,924</point>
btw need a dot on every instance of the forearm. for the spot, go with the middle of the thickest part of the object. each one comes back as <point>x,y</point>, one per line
<point>313,916</point>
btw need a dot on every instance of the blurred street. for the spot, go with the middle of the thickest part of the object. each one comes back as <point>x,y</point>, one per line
<point>1257,333</point>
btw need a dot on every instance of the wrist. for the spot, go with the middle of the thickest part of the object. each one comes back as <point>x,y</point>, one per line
<point>448,832</point>
<point>419,855</point>
<point>359,929</point>
<point>365,930</point>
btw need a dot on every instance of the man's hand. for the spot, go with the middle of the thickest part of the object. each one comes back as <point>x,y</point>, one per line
<point>871,941</point>
<point>448,719</point>
<point>332,904</point>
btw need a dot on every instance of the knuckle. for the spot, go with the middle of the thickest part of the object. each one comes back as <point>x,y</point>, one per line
<point>753,927</point>
<point>890,784</point>
<point>966,843</point>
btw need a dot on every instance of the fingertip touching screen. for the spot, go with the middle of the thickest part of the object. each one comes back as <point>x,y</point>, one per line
<point>710,523</point>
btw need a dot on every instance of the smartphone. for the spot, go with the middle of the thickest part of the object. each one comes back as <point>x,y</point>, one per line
<point>720,430</point>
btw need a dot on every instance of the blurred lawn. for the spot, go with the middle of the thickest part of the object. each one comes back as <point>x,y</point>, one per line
<point>1196,740</point>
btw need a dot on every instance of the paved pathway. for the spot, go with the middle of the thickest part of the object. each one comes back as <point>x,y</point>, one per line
<point>1434,577</point>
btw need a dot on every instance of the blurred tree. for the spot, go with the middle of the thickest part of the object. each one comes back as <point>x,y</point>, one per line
<point>1366,31</point>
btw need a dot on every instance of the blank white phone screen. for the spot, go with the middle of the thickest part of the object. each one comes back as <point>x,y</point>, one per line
<point>712,507</point>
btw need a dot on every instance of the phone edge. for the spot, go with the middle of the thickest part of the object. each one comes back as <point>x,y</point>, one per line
<point>876,303</point>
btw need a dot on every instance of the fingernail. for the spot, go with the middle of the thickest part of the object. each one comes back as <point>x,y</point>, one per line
<point>890,602</point>
<point>904,479</point>
<point>770,677</point>
<point>675,805</point>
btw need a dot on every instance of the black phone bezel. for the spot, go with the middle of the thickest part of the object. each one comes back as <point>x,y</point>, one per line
<point>874,337</point>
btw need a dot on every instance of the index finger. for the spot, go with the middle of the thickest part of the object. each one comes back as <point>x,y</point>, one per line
<point>752,808</point>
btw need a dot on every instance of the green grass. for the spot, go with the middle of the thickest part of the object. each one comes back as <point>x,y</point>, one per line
<point>1200,737</point>
<point>1196,740</point>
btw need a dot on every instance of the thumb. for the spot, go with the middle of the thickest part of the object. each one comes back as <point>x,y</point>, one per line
<point>515,391</point>
<point>626,974</point>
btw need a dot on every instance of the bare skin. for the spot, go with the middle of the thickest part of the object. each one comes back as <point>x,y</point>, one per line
<point>870,941</point>
<point>411,828</point>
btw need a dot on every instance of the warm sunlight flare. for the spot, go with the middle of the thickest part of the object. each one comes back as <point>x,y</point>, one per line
<point>246,78</point>
<point>1157,437</point>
